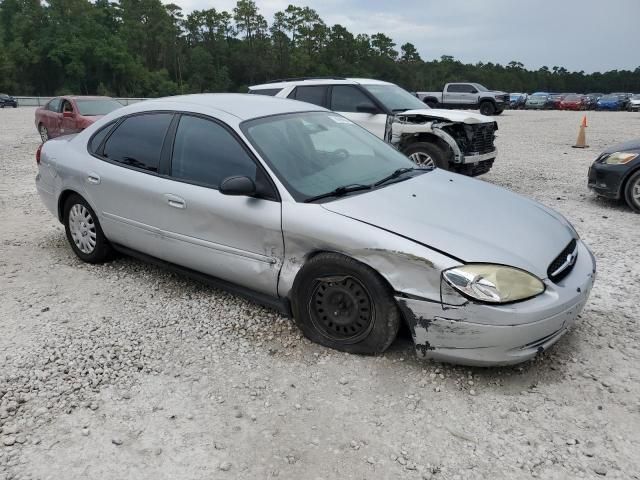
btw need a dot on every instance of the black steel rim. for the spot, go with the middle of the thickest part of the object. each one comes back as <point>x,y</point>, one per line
<point>341,309</point>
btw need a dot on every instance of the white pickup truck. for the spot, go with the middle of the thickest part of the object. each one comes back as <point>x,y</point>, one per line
<point>467,95</point>
<point>453,140</point>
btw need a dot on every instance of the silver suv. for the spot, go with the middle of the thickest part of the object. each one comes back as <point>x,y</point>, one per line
<point>453,140</point>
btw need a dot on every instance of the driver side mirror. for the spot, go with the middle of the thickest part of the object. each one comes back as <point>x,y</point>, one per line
<point>67,114</point>
<point>238,186</point>
<point>367,108</point>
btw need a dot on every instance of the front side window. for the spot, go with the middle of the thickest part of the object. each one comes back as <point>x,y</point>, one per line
<point>137,142</point>
<point>345,98</point>
<point>315,94</point>
<point>206,153</point>
<point>314,153</point>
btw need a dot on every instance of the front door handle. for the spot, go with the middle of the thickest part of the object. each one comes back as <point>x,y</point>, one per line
<point>175,201</point>
<point>93,178</point>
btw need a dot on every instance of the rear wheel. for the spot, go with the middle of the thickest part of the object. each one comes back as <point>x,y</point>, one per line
<point>487,108</point>
<point>427,155</point>
<point>632,191</point>
<point>343,304</point>
<point>84,232</point>
<point>44,133</point>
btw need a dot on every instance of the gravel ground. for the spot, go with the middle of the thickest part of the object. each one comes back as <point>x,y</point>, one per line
<point>127,371</point>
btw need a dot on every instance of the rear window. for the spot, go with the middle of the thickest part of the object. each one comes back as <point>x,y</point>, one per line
<point>272,92</point>
<point>137,142</point>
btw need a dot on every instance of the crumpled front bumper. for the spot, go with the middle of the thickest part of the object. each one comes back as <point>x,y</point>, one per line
<point>487,335</point>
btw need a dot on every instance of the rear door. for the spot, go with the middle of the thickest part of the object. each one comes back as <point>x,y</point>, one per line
<point>349,101</point>
<point>126,184</point>
<point>234,238</point>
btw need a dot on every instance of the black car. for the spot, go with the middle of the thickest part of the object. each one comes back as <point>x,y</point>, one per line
<point>616,173</point>
<point>7,101</point>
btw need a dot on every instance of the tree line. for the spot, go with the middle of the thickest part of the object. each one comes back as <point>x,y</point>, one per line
<point>144,48</point>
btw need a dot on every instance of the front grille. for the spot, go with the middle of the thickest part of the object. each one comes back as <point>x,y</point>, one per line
<point>481,140</point>
<point>563,264</point>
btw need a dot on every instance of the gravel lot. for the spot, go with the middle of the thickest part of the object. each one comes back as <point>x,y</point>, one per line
<point>127,371</point>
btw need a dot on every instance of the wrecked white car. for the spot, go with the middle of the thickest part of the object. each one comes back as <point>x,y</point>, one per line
<point>459,141</point>
<point>299,208</point>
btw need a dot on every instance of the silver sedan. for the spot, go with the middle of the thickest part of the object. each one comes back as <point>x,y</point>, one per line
<point>298,208</point>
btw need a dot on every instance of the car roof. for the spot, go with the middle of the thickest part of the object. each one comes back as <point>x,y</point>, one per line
<point>243,106</point>
<point>319,81</point>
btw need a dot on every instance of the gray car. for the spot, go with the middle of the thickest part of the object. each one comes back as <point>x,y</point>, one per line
<point>301,209</point>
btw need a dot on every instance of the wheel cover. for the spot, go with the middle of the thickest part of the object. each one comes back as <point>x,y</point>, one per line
<point>635,192</point>
<point>423,159</point>
<point>82,228</point>
<point>44,135</point>
<point>341,309</point>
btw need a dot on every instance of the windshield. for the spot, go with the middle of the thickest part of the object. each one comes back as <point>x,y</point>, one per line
<point>394,98</point>
<point>610,97</point>
<point>314,153</point>
<point>480,88</point>
<point>4,96</point>
<point>636,96</point>
<point>93,107</point>
<point>572,98</point>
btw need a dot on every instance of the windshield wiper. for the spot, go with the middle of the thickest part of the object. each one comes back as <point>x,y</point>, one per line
<point>338,192</point>
<point>395,174</point>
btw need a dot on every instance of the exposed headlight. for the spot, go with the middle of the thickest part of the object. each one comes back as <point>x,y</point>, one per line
<point>493,283</point>
<point>618,158</point>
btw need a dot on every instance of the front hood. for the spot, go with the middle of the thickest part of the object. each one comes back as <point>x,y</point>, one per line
<point>460,116</point>
<point>630,146</point>
<point>470,220</point>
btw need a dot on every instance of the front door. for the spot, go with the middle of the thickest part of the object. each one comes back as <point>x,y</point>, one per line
<point>67,119</point>
<point>234,238</point>
<point>349,101</point>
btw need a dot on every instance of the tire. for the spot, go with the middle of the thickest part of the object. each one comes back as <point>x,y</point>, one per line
<point>632,191</point>
<point>366,317</point>
<point>84,232</point>
<point>427,155</point>
<point>431,103</point>
<point>44,133</point>
<point>487,108</point>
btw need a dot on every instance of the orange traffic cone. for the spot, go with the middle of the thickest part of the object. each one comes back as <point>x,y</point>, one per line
<point>582,136</point>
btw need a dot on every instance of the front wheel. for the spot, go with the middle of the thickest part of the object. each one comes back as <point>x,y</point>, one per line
<point>427,155</point>
<point>343,304</point>
<point>632,192</point>
<point>84,232</point>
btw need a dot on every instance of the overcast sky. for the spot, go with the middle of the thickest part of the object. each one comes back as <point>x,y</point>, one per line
<point>589,35</point>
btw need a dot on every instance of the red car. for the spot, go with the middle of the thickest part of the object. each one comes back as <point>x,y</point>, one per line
<point>71,114</point>
<point>573,102</point>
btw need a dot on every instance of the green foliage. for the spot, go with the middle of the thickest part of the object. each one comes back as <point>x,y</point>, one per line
<point>145,48</point>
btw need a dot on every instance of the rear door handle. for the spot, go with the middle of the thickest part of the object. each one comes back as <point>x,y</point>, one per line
<point>175,201</point>
<point>93,178</point>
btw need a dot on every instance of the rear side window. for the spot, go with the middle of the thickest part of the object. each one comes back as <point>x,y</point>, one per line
<point>266,91</point>
<point>345,98</point>
<point>205,153</point>
<point>96,140</point>
<point>137,142</point>
<point>54,105</point>
<point>315,94</point>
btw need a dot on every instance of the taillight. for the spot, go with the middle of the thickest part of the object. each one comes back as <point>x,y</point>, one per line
<point>38,153</point>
